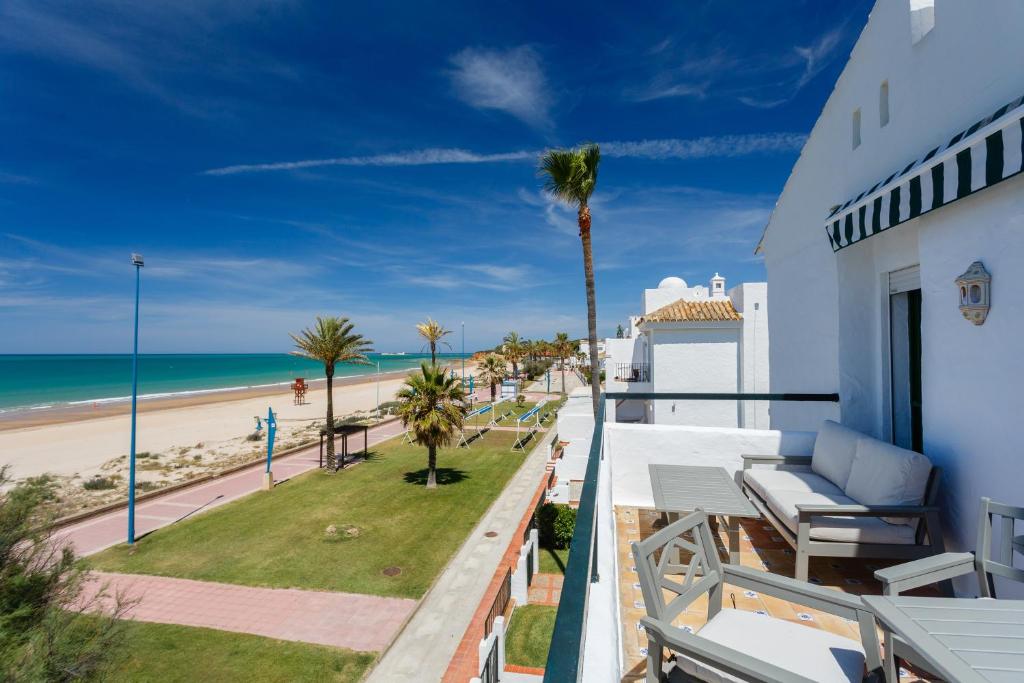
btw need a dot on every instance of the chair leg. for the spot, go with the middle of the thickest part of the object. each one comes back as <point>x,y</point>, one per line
<point>654,661</point>
<point>891,664</point>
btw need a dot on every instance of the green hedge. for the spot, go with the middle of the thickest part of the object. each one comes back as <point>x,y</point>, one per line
<point>555,524</point>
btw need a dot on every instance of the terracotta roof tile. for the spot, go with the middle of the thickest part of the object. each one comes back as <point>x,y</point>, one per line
<point>716,310</point>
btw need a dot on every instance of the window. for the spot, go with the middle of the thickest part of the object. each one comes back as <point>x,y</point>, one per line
<point>856,128</point>
<point>883,104</point>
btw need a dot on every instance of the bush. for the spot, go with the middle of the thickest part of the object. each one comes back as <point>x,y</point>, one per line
<point>555,525</point>
<point>255,436</point>
<point>536,368</point>
<point>99,483</point>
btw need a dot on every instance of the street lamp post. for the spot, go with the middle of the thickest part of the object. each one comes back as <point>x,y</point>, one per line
<point>378,389</point>
<point>138,263</point>
<point>463,354</point>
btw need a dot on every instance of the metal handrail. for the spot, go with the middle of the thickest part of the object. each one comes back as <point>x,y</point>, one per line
<point>500,602</point>
<point>566,652</point>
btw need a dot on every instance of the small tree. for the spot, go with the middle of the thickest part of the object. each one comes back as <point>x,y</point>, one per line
<point>563,349</point>
<point>332,341</point>
<point>492,372</point>
<point>48,630</point>
<point>433,405</point>
<point>434,332</point>
<point>514,351</point>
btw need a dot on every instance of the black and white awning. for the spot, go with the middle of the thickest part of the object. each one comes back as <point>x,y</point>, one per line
<point>988,152</point>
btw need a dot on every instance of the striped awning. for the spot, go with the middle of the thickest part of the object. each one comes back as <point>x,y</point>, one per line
<point>988,152</point>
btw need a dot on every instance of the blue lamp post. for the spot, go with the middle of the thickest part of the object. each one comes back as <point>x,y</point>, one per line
<point>268,476</point>
<point>463,354</point>
<point>138,263</point>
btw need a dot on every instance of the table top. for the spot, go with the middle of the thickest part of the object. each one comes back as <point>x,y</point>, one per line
<point>961,639</point>
<point>685,488</point>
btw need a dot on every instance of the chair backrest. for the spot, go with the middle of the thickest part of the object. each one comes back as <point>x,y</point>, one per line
<point>996,561</point>
<point>687,550</point>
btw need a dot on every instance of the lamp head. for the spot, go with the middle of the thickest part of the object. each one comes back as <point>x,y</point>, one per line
<point>137,260</point>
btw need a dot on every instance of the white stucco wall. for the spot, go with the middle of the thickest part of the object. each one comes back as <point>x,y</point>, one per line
<point>701,359</point>
<point>751,300</point>
<point>828,322</point>
<point>631,448</point>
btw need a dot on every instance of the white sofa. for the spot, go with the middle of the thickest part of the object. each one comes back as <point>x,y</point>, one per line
<point>855,496</point>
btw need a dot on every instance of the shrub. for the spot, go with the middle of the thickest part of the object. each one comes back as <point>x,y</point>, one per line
<point>98,483</point>
<point>255,436</point>
<point>536,368</point>
<point>555,525</point>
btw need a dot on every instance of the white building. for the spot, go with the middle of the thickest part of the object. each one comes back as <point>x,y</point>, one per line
<point>908,177</point>
<point>693,339</point>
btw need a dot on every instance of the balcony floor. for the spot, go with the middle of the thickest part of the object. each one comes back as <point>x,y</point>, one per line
<point>761,548</point>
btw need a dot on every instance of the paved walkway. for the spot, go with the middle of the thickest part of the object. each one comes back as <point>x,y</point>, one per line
<point>95,534</point>
<point>426,645</point>
<point>358,622</point>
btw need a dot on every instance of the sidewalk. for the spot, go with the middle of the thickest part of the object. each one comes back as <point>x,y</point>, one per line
<point>95,534</point>
<point>424,648</point>
<point>358,622</point>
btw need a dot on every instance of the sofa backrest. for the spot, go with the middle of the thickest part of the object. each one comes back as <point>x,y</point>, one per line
<point>884,474</point>
<point>834,449</point>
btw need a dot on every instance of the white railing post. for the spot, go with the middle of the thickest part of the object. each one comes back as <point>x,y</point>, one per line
<point>499,633</point>
<point>535,543</point>
<point>520,591</point>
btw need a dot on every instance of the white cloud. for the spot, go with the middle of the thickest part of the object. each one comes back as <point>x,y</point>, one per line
<point>511,81</point>
<point>670,148</point>
<point>817,55</point>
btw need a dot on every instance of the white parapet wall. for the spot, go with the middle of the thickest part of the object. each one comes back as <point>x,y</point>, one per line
<point>631,448</point>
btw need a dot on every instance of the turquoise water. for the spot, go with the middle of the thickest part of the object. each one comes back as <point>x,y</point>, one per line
<point>41,381</point>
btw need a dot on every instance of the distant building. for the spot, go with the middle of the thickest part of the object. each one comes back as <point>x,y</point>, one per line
<point>693,339</point>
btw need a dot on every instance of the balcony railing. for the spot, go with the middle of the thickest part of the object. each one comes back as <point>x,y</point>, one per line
<point>565,656</point>
<point>632,372</point>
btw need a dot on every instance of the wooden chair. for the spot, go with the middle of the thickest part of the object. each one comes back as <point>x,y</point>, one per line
<point>987,562</point>
<point>735,644</point>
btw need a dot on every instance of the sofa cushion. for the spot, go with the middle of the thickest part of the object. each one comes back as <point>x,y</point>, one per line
<point>834,449</point>
<point>883,474</point>
<point>842,529</point>
<point>762,480</point>
<point>809,652</point>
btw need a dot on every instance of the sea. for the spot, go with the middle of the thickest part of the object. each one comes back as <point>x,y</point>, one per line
<point>39,382</point>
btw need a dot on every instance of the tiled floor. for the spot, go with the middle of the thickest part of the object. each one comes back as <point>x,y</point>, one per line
<point>546,589</point>
<point>761,548</point>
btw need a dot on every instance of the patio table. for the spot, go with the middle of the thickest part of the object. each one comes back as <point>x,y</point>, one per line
<point>966,640</point>
<point>680,489</point>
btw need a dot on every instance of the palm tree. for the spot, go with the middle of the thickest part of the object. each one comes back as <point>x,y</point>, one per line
<point>571,176</point>
<point>492,371</point>
<point>514,350</point>
<point>432,405</point>
<point>331,342</point>
<point>563,349</point>
<point>434,332</point>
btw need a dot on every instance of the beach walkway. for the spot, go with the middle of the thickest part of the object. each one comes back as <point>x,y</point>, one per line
<point>97,533</point>
<point>358,622</point>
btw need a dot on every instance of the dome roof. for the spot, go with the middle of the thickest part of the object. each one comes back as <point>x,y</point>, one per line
<point>672,283</point>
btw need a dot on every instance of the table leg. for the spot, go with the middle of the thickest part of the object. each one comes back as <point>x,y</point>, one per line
<point>734,540</point>
<point>890,665</point>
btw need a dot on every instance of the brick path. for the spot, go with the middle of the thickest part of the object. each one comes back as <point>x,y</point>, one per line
<point>546,589</point>
<point>358,622</point>
<point>95,534</point>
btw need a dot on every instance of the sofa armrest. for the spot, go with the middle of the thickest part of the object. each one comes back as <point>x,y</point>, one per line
<point>806,511</point>
<point>731,661</point>
<point>924,572</point>
<point>751,460</point>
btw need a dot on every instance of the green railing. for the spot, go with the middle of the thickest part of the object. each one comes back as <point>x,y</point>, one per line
<point>566,653</point>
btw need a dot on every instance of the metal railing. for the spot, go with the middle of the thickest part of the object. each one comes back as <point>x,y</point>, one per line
<point>565,655</point>
<point>632,372</point>
<point>500,602</point>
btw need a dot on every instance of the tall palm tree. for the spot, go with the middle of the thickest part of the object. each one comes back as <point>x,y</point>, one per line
<point>571,176</point>
<point>332,341</point>
<point>433,405</point>
<point>434,332</point>
<point>492,371</point>
<point>514,351</point>
<point>563,349</point>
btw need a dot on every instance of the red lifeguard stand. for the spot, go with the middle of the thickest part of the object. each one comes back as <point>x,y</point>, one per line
<point>299,387</point>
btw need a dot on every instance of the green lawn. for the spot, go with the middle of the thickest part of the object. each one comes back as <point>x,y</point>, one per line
<point>553,561</point>
<point>167,653</point>
<point>279,539</point>
<point>516,410</point>
<point>529,635</point>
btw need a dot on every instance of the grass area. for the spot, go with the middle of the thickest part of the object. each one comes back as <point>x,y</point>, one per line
<point>553,561</point>
<point>529,635</point>
<point>168,653</point>
<point>384,516</point>
<point>516,410</point>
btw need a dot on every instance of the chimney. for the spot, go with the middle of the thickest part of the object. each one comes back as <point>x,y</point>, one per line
<point>717,287</point>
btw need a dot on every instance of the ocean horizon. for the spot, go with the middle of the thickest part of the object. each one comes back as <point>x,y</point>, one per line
<point>41,381</point>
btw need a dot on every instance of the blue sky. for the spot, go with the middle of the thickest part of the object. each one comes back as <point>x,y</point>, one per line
<point>276,160</point>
